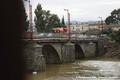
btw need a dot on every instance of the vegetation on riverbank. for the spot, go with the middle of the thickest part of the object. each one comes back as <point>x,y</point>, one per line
<point>112,45</point>
<point>112,50</point>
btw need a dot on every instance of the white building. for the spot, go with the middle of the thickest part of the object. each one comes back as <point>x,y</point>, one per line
<point>78,28</point>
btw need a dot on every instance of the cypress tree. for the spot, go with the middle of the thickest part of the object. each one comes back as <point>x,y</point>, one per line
<point>63,21</point>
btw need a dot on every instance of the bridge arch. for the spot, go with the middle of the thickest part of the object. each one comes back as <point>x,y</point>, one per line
<point>50,54</point>
<point>79,54</point>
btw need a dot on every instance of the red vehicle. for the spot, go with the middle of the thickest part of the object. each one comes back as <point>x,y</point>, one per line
<point>59,30</point>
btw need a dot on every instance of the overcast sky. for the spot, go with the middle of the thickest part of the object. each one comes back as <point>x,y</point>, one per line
<point>80,10</point>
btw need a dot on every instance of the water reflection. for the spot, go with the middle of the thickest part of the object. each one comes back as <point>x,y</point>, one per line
<point>52,70</point>
<point>80,70</point>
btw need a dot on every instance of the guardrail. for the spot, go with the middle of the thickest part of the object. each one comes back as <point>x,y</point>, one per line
<point>57,36</point>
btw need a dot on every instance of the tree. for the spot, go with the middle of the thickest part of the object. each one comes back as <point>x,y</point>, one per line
<point>39,19</point>
<point>54,22</point>
<point>115,36</point>
<point>46,18</point>
<point>107,31</point>
<point>25,21</point>
<point>114,17</point>
<point>109,20</point>
<point>44,21</point>
<point>63,21</point>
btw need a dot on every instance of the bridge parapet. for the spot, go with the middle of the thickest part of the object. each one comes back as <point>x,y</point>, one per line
<point>59,40</point>
<point>74,36</point>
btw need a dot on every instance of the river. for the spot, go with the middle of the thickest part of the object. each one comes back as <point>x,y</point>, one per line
<point>80,70</point>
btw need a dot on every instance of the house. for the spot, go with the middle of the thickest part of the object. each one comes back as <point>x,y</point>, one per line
<point>94,26</point>
<point>79,28</point>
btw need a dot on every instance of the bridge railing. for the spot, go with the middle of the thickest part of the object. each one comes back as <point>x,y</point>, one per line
<point>45,36</point>
<point>65,36</point>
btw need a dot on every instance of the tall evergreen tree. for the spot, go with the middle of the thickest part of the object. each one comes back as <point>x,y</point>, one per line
<point>46,17</point>
<point>26,22</point>
<point>63,21</point>
<point>39,19</point>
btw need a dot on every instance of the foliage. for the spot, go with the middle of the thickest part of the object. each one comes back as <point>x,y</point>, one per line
<point>115,36</point>
<point>63,22</point>
<point>114,17</point>
<point>107,31</point>
<point>39,18</point>
<point>25,21</point>
<point>45,21</point>
<point>93,32</point>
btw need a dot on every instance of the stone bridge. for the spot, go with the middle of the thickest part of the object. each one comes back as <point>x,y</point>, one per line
<point>39,52</point>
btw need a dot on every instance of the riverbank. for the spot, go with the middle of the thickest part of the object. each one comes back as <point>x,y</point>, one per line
<point>112,50</point>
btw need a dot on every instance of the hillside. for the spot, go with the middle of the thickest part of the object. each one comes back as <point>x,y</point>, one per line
<point>112,50</point>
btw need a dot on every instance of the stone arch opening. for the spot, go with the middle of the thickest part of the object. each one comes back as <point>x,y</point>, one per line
<point>50,54</point>
<point>79,52</point>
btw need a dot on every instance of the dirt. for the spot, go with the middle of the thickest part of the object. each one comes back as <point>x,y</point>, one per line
<point>112,50</point>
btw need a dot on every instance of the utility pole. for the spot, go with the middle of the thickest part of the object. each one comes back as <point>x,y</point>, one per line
<point>30,20</point>
<point>101,24</point>
<point>68,24</point>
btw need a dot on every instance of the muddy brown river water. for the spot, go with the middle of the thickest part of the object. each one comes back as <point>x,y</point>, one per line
<point>80,70</point>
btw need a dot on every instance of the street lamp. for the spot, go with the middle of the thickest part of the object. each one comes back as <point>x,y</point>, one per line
<point>68,23</point>
<point>101,24</point>
<point>30,20</point>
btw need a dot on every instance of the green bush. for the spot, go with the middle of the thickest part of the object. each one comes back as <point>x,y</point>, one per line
<point>115,36</point>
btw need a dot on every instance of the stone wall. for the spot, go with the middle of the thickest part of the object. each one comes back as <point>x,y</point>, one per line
<point>89,49</point>
<point>68,53</point>
<point>33,57</point>
<point>100,48</point>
